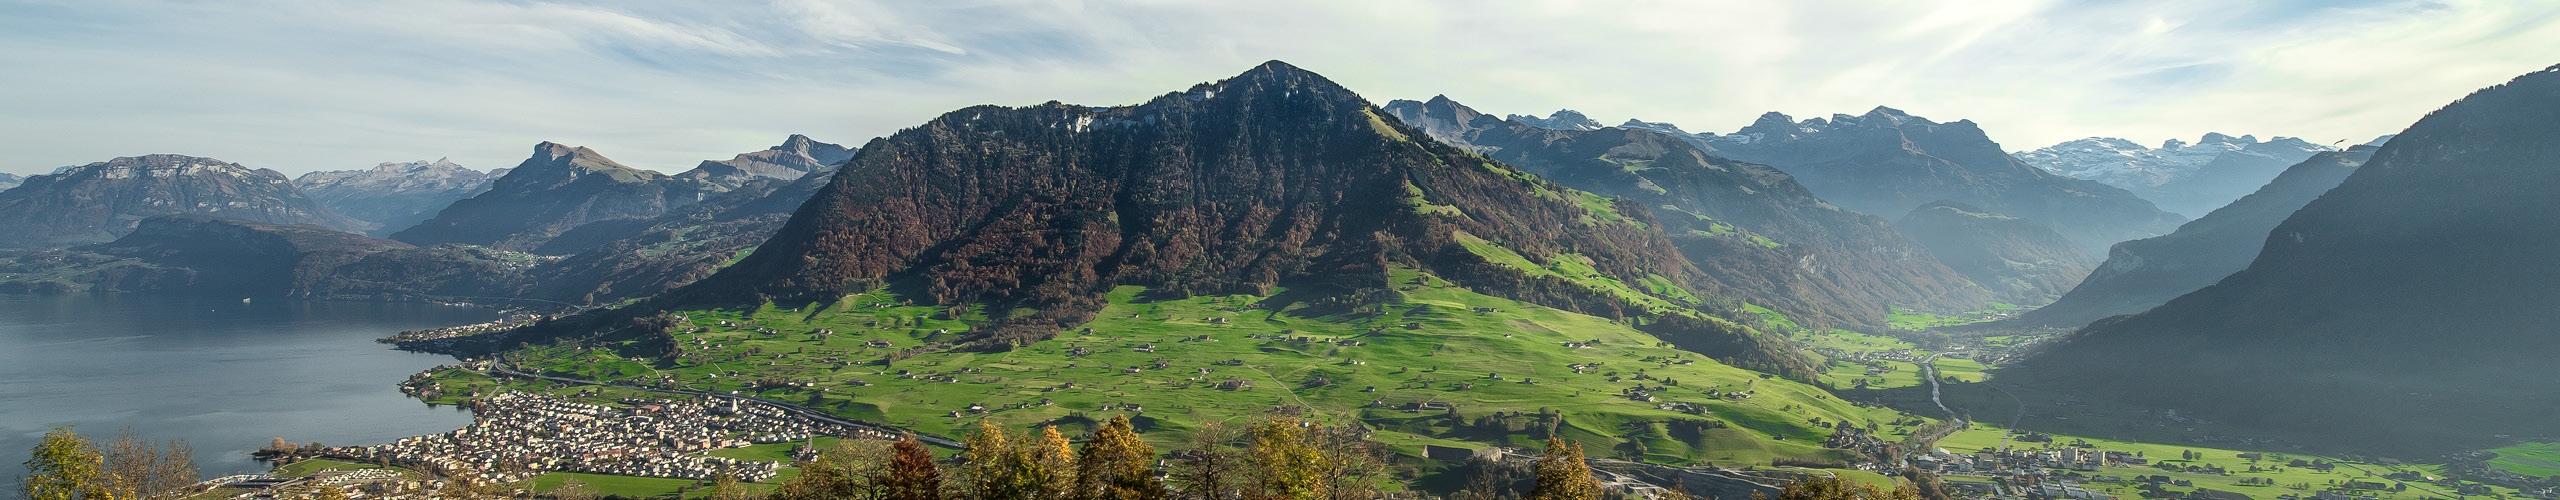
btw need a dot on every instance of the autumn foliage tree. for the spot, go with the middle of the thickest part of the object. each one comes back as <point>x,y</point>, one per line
<point>1000,465</point>
<point>1562,475</point>
<point>1115,465</point>
<point>65,466</point>
<point>911,475</point>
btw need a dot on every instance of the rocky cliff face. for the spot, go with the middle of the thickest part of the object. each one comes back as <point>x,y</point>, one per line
<point>2019,260</point>
<point>1274,178</point>
<point>392,196</point>
<point>1886,162</point>
<point>1752,230</point>
<point>557,189</point>
<point>796,157</point>
<point>2408,310</point>
<point>101,201</point>
<point>2189,179</point>
<point>2143,273</point>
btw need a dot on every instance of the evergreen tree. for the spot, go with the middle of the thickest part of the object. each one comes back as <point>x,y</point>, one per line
<point>1562,475</point>
<point>1115,465</point>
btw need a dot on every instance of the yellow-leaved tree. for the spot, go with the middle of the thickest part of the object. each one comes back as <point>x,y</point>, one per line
<point>1562,475</point>
<point>65,466</point>
<point>1115,465</point>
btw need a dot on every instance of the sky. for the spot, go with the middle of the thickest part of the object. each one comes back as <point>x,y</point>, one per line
<point>298,85</point>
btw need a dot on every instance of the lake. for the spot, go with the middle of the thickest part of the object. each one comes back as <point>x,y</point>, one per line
<point>223,375</point>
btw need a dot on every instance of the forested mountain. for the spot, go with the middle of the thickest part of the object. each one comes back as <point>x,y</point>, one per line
<point>2017,259</point>
<point>557,189</point>
<point>101,201</point>
<point>796,157</point>
<point>9,180</point>
<point>1277,178</point>
<point>392,196</point>
<point>2189,179</point>
<point>1886,163</point>
<point>1752,230</point>
<point>631,258</point>
<point>2409,307</point>
<point>2143,273</point>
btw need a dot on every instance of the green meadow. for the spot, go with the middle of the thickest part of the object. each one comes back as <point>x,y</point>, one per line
<point>1175,365</point>
<point>2531,459</point>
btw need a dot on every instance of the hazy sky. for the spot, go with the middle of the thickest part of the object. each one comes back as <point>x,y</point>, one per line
<point>305,85</point>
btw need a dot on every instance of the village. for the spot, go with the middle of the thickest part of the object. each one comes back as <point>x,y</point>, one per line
<point>517,435</point>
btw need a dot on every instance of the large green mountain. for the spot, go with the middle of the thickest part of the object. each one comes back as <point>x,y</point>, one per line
<point>2409,308</point>
<point>1277,178</point>
<point>1887,162</point>
<point>2143,273</point>
<point>555,190</point>
<point>2018,259</point>
<point>1750,229</point>
<point>100,201</point>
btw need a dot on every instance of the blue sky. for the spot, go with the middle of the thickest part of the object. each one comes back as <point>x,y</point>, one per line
<point>310,85</point>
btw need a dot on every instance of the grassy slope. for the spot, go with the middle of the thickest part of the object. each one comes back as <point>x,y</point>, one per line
<point>1453,348</point>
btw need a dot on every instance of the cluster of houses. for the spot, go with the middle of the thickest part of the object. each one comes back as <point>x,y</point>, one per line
<point>517,435</point>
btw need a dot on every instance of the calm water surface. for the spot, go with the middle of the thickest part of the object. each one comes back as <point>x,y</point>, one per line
<point>223,375</point>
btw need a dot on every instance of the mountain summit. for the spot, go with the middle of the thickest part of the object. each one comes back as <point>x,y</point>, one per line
<point>796,157</point>
<point>558,188</point>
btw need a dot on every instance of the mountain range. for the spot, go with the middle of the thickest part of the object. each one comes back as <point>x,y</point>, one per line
<point>394,196</point>
<point>1886,163</point>
<point>2406,309</point>
<point>559,188</point>
<point>797,156</point>
<point>2143,273</point>
<point>98,202</point>
<point>1756,234</point>
<point>2189,179</point>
